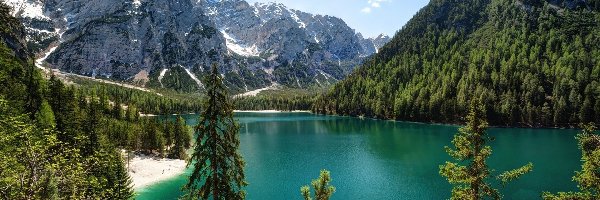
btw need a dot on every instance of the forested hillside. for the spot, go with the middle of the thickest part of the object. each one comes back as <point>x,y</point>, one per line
<point>534,62</point>
<point>59,141</point>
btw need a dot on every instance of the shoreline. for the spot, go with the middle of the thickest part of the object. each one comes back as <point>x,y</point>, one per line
<point>147,170</point>
<point>271,111</point>
<point>572,127</point>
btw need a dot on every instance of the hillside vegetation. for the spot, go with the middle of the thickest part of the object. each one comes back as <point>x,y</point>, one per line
<point>534,62</point>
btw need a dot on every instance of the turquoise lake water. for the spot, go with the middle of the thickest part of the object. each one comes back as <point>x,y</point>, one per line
<point>375,159</point>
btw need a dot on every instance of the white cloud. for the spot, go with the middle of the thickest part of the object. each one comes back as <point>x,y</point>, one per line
<point>366,10</point>
<point>372,5</point>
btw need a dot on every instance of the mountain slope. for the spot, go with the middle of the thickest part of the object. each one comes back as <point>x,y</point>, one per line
<point>138,41</point>
<point>533,63</point>
<point>286,39</point>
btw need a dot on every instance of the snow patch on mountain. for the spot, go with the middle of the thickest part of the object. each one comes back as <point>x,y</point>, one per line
<point>240,49</point>
<point>326,75</point>
<point>39,62</point>
<point>27,9</point>
<point>136,3</point>
<point>161,76</point>
<point>194,77</point>
<point>297,19</point>
<point>253,93</point>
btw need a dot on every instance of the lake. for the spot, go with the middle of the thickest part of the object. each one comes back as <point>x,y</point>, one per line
<point>376,159</point>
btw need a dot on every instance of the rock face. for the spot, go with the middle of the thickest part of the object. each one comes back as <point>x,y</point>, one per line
<point>380,40</point>
<point>256,45</point>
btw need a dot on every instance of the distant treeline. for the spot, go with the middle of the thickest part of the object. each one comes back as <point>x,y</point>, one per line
<point>168,102</point>
<point>284,100</point>
<point>273,103</point>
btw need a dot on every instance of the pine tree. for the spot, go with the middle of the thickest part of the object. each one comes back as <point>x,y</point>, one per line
<point>45,117</point>
<point>588,179</point>
<point>121,188</point>
<point>218,166</point>
<point>323,190</point>
<point>470,146</point>
<point>90,127</point>
<point>182,138</point>
<point>117,110</point>
<point>153,138</point>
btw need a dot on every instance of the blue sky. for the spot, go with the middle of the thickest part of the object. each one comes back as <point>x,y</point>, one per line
<point>369,17</point>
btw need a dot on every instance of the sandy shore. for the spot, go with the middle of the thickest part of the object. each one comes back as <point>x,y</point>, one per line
<point>146,170</point>
<point>269,111</point>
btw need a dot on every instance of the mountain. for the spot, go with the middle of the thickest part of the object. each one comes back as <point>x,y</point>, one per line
<point>298,48</point>
<point>532,63</point>
<point>379,41</point>
<point>172,43</point>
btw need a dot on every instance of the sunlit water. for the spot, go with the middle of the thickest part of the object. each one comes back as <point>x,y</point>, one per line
<point>374,159</point>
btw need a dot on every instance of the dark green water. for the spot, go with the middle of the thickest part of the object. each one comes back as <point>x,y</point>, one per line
<point>374,159</point>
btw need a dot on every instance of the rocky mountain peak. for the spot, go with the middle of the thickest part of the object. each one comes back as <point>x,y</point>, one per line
<point>256,45</point>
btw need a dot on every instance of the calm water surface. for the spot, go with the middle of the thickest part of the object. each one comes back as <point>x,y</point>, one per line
<point>374,159</point>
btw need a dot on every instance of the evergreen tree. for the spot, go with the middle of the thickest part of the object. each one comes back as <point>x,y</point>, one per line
<point>323,190</point>
<point>121,187</point>
<point>218,166</point>
<point>182,139</point>
<point>470,180</point>
<point>64,104</point>
<point>117,110</point>
<point>168,133</point>
<point>45,117</point>
<point>90,128</point>
<point>588,179</point>
<point>153,139</point>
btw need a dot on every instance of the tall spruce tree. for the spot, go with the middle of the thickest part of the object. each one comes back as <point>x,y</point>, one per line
<point>471,180</point>
<point>218,166</point>
<point>588,179</point>
<point>122,185</point>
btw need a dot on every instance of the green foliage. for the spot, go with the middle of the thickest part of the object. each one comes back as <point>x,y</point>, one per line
<point>218,171</point>
<point>45,117</point>
<point>29,166</point>
<point>53,144</point>
<point>588,179</point>
<point>182,137</point>
<point>168,102</point>
<point>533,64</point>
<point>122,184</point>
<point>470,180</point>
<point>178,80</point>
<point>514,174</point>
<point>153,138</point>
<point>285,100</point>
<point>323,190</point>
